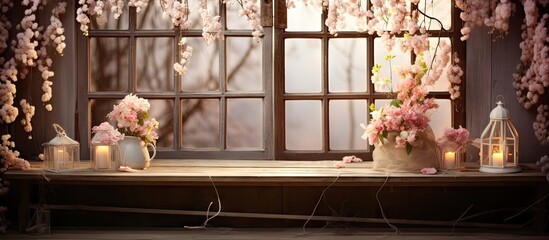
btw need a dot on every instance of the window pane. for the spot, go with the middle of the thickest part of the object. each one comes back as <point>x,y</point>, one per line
<point>162,110</point>
<point>345,119</point>
<point>109,64</point>
<point>441,117</point>
<point>303,125</point>
<point>245,123</point>
<point>303,60</point>
<point>388,68</point>
<point>304,18</point>
<point>244,65</point>
<point>194,15</point>
<point>107,21</point>
<point>152,17</point>
<point>234,20</point>
<point>347,65</point>
<point>98,110</point>
<point>442,84</point>
<point>203,69</point>
<point>154,64</point>
<point>440,9</point>
<point>200,123</point>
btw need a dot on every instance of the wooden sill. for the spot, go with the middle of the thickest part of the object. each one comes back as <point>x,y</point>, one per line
<point>274,173</point>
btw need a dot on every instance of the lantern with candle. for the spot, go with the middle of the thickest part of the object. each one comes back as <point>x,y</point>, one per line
<point>61,153</point>
<point>499,143</point>
<point>453,145</point>
<point>105,153</point>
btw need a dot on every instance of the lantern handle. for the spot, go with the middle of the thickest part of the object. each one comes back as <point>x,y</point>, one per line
<point>500,98</point>
<point>60,131</point>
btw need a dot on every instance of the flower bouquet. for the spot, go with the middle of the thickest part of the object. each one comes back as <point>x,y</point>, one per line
<point>403,138</point>
<point>132,119</point>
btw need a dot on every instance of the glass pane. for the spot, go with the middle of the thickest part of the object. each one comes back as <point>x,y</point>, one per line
<point>347,65</point>
<point>441,117</point>
<point>200,123</point>
<point>234,20</point>
<point>440,9</point>
<point>304,18</point>
<point>203,69</point>
<point>303,125</point>
<point>245,123</point>
<point>162,110</point>
<point>107,21</point>
<point>152,17</point>
<point>345,119</point>
<point>442,84</point>
<point>244,65</point>
<point>154,64</point>
<point>388,68</point>
<point>98,110</point>
<point>109,64</point>
<point>303,65</point>
<point>194,16</point>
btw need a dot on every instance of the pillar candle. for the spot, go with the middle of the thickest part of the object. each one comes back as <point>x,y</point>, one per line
<point>449,160</point>
<point>102,157</point>
<point>497,159</point>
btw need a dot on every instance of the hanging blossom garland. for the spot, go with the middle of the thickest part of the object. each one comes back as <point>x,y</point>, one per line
<point>186,53</point>
<point>494,14</point>
<point>211,27</point>
<point>531,80</point>
<point>53,36</point>
<point>5,26</point>
<point>454,77</point>
<point>541,125</point>
<point>30,49</point>
<point>250,10</point>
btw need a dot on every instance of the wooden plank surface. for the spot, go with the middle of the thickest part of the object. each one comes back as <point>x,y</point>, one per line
<point>245,172</point>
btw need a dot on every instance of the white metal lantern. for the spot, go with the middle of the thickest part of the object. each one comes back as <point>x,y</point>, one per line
<point>105,156</point>
<point>499,143</point>
<point>61,153</point>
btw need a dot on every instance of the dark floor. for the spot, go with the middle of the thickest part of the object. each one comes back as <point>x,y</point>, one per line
<point>278,233</point>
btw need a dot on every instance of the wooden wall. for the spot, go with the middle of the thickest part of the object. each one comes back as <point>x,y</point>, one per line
<point>491,62</point>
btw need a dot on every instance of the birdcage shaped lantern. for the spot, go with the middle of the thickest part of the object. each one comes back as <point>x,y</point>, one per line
<point>105,153</point>
<point>499,143</point>
<point>61,153</point>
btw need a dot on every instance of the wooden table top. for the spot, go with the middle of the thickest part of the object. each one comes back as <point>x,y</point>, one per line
<point>265,172</point>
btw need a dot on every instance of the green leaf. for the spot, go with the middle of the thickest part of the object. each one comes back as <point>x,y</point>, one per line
<point>396,103</point>
<point>408,148</point>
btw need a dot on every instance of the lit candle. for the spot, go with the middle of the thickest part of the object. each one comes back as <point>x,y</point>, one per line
<point>102,157</point>
<point>59,159</point>
<point>449,160</point>
<point>497,159</point>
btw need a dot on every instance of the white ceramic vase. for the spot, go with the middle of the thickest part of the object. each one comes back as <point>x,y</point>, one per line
<point>134,152</point>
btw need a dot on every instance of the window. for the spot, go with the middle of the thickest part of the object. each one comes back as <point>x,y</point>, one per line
<point>299,94</point>
<point>322,83</point>
<point>221,108</point>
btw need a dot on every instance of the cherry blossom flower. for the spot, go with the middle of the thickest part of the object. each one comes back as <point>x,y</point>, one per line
<point>132,118</point>
<point>111,135</point>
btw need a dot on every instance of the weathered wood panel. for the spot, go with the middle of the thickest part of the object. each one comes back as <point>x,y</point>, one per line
<point>491,62</point>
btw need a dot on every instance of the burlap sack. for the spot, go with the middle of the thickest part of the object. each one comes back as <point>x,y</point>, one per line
<point>388,158</point>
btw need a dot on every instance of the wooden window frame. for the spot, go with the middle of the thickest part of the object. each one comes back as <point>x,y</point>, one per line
<point>84,76</point>
<point>280,34</point>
